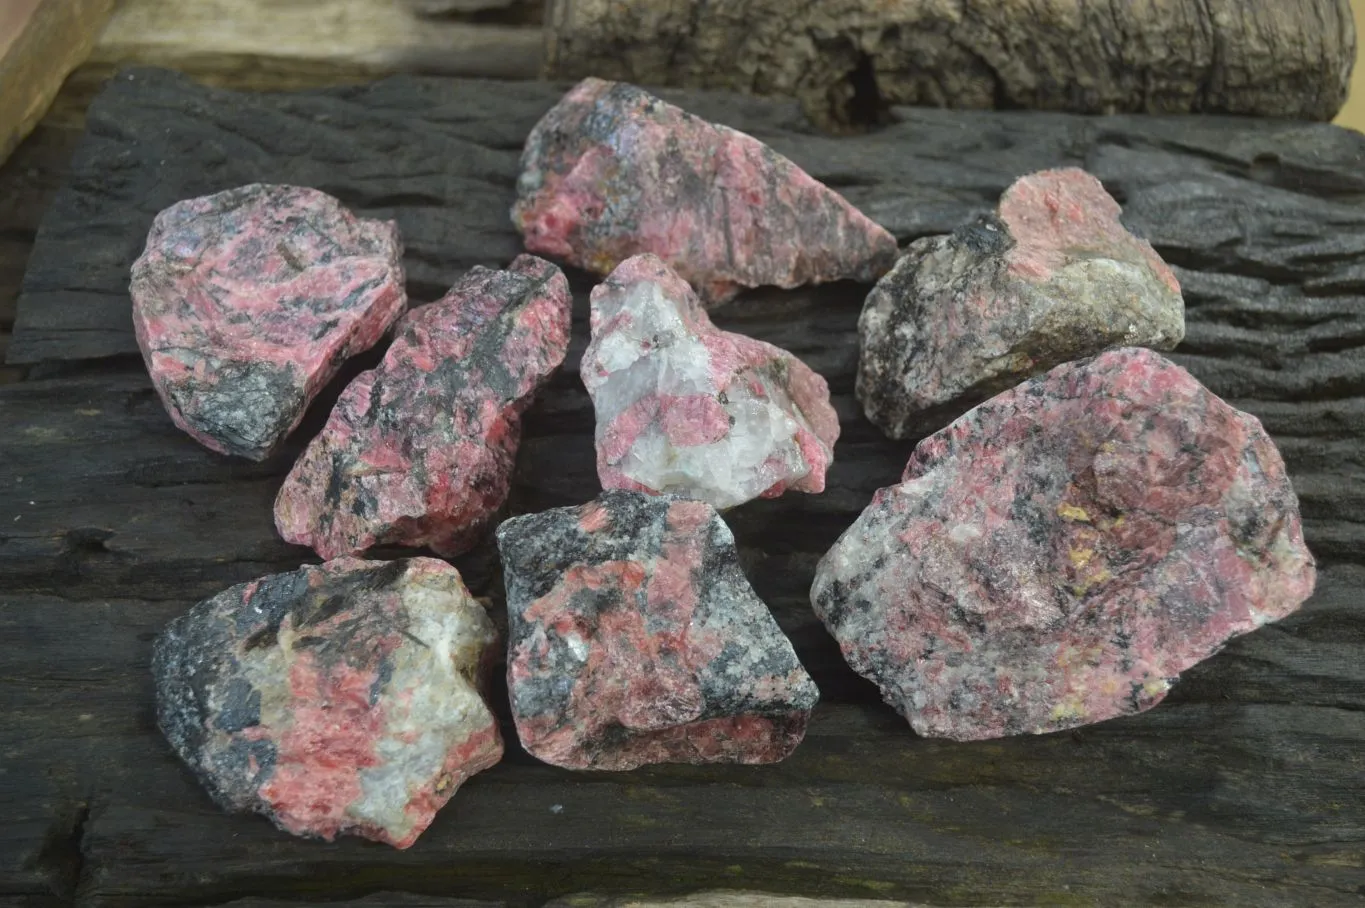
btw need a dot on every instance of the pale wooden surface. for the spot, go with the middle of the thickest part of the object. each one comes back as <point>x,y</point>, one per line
<point>1353,114</point>
<point>281,43</point>
<point>41,41</point>
<point>14,14</point>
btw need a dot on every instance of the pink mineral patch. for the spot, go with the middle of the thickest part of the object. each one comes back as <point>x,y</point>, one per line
<point>635,638</point>
<point>1053,277</point>
<point>683,407</point>
<point>342,698</point>
<point>1061,553</point>
<point>420,451</point>
<point>246,303</point>
<point>1053,214</point>
<point>612,171</point>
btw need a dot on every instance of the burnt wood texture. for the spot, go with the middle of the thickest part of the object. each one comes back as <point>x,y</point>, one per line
<point>1246,788</point>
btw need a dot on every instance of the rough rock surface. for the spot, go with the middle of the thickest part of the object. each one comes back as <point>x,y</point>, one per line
<point>611,172</point>
<point>339,698</point>
<point>634,637</point>
<point>1060,554</point>
<point>684,407</point>
<point>1236,788</point>
<point>420,451</point>
<point>1051,277</point>
<point>247,302</point>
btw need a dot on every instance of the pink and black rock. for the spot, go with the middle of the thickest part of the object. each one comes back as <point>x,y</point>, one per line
<point>612,171</point>
<point>420,451</point>
<point>1053,276</point>
<point>635,638</point>
<point>1061,553</point>
<point>339,698</point>
<point>246,303</point>
<point>685,408</point>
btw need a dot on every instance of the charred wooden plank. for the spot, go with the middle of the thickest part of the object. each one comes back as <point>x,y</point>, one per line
<point>1225,802</point>
<point>1245,788</point>
<point>28,181</point>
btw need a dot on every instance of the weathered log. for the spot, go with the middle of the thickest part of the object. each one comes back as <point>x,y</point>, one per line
<point>847,60</point>
<point>1244,788</point>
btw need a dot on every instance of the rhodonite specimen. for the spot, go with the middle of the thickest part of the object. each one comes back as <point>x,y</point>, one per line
<point>612,171</point>
<point>1061,553</point>
<point>1051,277</point>
<point>420,451</point>
<point>684,407</point>
<point>338,698</point>
<point>247,302</point>
<point>635,638</point>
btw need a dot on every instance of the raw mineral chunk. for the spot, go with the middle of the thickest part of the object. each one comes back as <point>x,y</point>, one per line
<point>684,407</point>
<point>420,451</point>
<point>339,698</point>
<point>248,301</point>
<point>611,172</point>
<point>635,638</point>
<point>1052,277</point>
<point>1061,553</point>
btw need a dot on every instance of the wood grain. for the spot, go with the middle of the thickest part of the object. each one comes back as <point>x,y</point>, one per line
<point>1246,788</point>
<point>28,181</point>
<point>847,59</point>
<point>280,44</point>
<point>41,42</point>
<point>14,18</point>
<point>1352,114</point>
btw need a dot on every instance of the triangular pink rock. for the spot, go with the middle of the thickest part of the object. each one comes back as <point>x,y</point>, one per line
<point>612,171</point>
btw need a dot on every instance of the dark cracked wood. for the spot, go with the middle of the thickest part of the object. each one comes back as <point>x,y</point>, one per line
<point>1246,788</point>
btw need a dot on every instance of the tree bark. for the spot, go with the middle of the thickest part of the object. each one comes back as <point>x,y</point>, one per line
<point>847,61</point>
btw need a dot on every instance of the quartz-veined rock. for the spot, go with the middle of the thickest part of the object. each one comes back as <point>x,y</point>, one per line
<point>1061,553</point>
<point>338,698</point>
<point>612,171</point>
<point>247,302</point>
<point>686,408</point>
<point>634,637</point>
<point>1051,277</point>
<point>420,451</point>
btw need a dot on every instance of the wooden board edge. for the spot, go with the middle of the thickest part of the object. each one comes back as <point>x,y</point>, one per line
<point>54,38</point>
